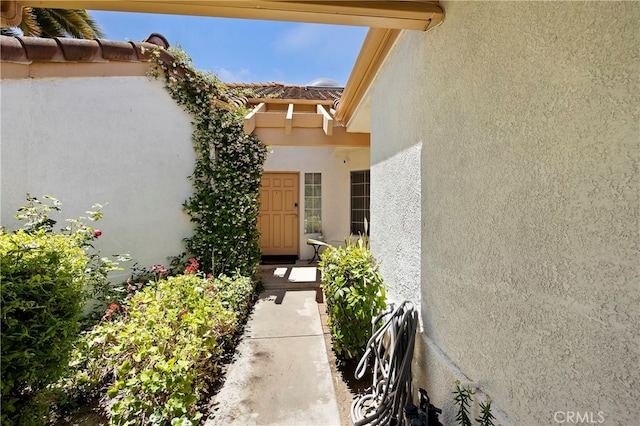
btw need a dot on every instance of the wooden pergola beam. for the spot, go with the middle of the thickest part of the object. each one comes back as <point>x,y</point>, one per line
<point>411,15</point>
<point>312,137</point>
<point>288,120</point>
<point>250,119</point>
<point>327,120</point>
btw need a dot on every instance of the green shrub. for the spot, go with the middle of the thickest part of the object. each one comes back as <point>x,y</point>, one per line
<point>44,275</point>
<point>163,349</point>
<point>354,293</point>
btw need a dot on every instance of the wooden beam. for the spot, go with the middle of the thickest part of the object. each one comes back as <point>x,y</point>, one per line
<point>312,137</point>
<point>279,119</point>
<point>327,121</point>
<point>250,119</point>
<point>413,15</point>
<point>288,121</point>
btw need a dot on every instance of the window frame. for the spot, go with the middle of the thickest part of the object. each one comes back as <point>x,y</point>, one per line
<point>360,202</point>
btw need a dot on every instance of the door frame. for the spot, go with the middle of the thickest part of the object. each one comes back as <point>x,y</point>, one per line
<point>296,201</point>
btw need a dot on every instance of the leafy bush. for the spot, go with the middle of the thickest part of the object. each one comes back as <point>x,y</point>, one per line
<point>44,274</point>
<point>163,348</point>
<point>354,293</point>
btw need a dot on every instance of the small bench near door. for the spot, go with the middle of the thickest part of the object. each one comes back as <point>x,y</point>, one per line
<point>316,248</point>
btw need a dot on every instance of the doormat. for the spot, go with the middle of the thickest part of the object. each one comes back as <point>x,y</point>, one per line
<point>279,260</point>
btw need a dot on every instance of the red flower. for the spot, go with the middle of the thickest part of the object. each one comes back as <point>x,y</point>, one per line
<point>114,306</point>
<point>97,233</point>
<point>193,266</point>
<point>183,312</point>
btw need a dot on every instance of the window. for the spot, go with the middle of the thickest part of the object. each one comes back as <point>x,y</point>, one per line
<point>312,203</point>
<point>360,202</point>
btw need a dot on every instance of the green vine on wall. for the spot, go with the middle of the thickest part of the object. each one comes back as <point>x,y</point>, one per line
<point>226,180</point>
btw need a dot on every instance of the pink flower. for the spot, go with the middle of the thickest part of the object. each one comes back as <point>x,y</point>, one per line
<point>97,233</point>
<point>108,313</point>
<point>161,270</point>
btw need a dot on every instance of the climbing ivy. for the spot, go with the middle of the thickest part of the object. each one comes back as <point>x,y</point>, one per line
<point>226,179</point>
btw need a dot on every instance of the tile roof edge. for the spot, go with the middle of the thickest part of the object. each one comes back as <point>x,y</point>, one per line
<point>60,49</point>
<point>281,85</point>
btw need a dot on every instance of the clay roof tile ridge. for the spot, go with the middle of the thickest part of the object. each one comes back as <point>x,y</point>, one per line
<point>78,50</point>
<point>12,50</point>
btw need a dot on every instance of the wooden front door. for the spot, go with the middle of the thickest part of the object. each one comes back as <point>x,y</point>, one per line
<point>278,221</point>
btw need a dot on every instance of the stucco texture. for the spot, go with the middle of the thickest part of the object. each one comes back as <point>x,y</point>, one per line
<point>116,140</point>
<point>527,114</point>
<point>395,213</point>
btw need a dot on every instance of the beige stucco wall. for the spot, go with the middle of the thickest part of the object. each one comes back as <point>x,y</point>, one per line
<point>527,116</point>
<point>116,140</point>
<point>335,165</point>
<point>395,210</point>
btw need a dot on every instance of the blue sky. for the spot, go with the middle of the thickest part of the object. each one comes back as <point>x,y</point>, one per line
<point>240,50</point>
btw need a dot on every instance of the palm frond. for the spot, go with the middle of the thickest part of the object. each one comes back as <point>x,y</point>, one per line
<point>49,26</point>
<point>49,23</point>
<point>29,24</point>
<point>76,23</point>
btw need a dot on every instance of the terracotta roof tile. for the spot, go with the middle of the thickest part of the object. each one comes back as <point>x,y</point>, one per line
<point>283,91</point>
<point>41,49</point>
<point>117,50</point>
<point>143,50</point>
<point>12,50</point>
<point>157,39</point>
<point>74,49</point>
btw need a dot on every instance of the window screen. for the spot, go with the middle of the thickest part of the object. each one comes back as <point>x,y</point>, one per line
<point>312,203</point>
<point>360,202</point>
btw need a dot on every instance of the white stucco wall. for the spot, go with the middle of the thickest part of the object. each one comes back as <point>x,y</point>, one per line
<point>116,140</point>
<point>527,114</point>
<point>335,165</point>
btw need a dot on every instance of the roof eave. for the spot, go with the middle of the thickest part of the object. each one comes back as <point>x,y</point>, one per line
<point>416,14</point>
<point>375,49</point>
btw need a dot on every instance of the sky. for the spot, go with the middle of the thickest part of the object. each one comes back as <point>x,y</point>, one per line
<point>247,51</point>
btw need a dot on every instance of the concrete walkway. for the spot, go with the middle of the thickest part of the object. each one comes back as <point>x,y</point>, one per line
<point>281,374</point>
